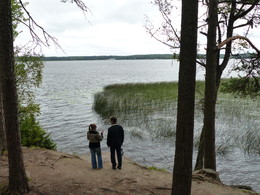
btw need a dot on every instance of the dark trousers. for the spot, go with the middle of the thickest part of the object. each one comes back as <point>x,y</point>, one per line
<point>116,150</point>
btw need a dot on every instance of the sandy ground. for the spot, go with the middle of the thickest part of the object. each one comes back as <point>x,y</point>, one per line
<point>55,173</point>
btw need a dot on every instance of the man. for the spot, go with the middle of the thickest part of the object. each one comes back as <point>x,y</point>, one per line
<point>115,139</point>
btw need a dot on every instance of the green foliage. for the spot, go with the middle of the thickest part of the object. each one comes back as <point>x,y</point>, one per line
<point>33,135</point>
<point>242,87</point>
<point>149,110</point>
<point>29,76</point>
<point>131,57</point>
<point>146,106</point>
<point>138,97</point>
<point>156,168</point>
<point>17,16</point>
<point>248,82</point>
<point>115,98</point>
<point>28,71</point>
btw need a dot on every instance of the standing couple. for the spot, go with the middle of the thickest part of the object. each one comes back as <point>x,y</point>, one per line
<point>115,139</point>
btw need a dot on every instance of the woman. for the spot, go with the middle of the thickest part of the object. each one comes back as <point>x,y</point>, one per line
<point>94,145</point>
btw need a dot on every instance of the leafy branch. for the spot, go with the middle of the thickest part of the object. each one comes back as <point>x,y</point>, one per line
<point>33,26</point>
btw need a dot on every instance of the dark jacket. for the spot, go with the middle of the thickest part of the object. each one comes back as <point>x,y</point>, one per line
<point>115,136</point>
<point>94,139</point>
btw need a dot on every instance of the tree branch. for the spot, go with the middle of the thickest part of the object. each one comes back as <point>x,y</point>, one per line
<point>238,37</point>
<point>204,33</point>
<point>250,22</point>
<point>167,19</point>
<point>161,41</point>
<point>81,5</point>
<point>201,63</point>
<point>47,38</point>
<point>36,39</point>
<point>238,2</point>
<point>242,14</point>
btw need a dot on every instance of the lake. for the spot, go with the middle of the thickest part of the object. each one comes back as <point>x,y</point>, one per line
<point>66,100</point>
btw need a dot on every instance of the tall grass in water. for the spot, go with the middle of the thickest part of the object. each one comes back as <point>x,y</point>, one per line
<point>150,110</point>
<point>150,107</point>
<point>238,123</point>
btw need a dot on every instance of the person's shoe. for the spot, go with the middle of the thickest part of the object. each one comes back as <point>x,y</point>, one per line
<point>119,168</point>
<point>114,168</point>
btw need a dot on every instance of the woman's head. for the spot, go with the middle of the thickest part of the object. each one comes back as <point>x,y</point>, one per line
<point>92,127</point>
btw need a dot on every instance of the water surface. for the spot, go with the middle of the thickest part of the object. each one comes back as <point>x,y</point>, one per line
<point>66,99</point>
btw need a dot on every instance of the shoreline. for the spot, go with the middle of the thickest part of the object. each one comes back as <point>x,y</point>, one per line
<point>52,172</point>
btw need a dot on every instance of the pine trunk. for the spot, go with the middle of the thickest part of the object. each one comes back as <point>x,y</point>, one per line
<point>182,173</point>
<point>2,127</point>
<point>200,157</point>
<point>210,89</point>
<point>17,176</point>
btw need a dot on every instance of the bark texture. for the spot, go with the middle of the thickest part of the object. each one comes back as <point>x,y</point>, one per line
<point>2,127</point>
<point>182,173</point>
<point>210,88</point>
<point>17,177</point>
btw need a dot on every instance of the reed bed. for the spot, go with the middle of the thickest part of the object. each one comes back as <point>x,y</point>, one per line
<point>150,110</point>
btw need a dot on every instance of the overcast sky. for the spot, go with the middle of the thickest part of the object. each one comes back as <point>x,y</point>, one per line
<point>114,27</point>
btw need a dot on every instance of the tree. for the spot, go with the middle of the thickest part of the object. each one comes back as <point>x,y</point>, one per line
<point>232,16</point>
<point>17,176</point>
<point>229,14</point>
<point>210,88</point>
<point>16,13</point>
<point>182,172</point>
<point>28,72</point>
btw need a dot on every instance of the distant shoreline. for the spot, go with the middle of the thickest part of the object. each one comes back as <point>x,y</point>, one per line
<point>112,57</point>
<point>131,57</point>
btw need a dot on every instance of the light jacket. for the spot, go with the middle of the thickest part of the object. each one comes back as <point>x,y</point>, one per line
<point>94,139</point>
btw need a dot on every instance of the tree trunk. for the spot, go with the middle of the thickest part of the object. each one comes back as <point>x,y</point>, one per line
<point>182,173</point>
<point>210,88</point>
<point>220,67</point>
<point>200,157</point>
<point>2,127</point>
<point>17,176</point>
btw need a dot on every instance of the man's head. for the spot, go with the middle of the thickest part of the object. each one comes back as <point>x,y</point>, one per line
<point>113,120</point>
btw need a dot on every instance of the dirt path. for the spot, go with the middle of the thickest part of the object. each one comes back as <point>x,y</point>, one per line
<point>55,173</point>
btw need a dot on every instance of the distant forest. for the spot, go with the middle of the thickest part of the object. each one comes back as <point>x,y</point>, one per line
<point>129,57</point>
<point>112,57</point>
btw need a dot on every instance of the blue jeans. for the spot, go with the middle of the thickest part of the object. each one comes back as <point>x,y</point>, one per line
<point>96,152</point>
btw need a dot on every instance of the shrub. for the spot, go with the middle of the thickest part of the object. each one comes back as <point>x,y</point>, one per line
<point>33,135</point>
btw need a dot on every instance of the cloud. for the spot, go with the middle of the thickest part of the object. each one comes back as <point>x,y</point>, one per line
<point>112,27</point>
<point>110,39</point>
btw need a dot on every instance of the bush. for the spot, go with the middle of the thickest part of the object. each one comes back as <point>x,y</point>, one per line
<point>32,134</point>
<point>242,87</point>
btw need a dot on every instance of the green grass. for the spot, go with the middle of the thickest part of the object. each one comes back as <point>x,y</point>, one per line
<point>134,98</point>
<point>156,169</point>
<point>237,123</point>
<point>151,110</point>
<point>142,106</point>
